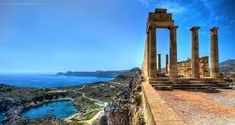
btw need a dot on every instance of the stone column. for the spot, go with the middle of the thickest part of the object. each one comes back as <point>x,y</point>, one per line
<point>152,52</point>
<point>195,53</point>
<point>159,63</point>
<point>146,57</point>
<point>173,52</point>
<point>214,53</point>
<point>166,63</point>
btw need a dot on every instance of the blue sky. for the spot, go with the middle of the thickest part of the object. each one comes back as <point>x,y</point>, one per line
<point>79,35</point>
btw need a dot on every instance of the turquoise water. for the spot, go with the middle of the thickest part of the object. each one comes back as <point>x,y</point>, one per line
<point>1,117</point>
<point>33,80</point>
<point>61,109</point>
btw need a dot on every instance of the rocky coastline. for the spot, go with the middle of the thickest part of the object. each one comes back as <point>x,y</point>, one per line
<point>15,100</point>
<point>126,108</point>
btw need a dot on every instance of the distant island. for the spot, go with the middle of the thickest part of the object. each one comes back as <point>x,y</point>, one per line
<point>225,66</point>
<point>97,73</point>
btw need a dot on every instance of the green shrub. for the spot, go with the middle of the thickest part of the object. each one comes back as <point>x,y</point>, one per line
<point>139,88</point>
<point>140,118</point>
<point>138,99</point>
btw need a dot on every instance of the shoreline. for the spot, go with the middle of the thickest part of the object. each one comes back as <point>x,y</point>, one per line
<point>76,94</point>
<point>52,84</point>
<point>96,116</point>
<point>50,101</point>
<point>45,102</point>
<point>69,119</point>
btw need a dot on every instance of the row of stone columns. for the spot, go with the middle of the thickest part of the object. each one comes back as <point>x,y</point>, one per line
<point>171,66</point>
<point>214,59</point>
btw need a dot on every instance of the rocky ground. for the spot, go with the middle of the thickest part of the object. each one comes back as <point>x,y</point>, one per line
<point>209,107</point>
<point>126,108</point>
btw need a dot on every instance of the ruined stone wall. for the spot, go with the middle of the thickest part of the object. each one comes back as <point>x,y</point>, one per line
<point>148,114</point>
<point>185,69</point>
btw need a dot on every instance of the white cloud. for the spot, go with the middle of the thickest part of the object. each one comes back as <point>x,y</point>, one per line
<point>173,7</point>
<point>191,12</point>
<point>22,2</point>
<point>145,2</point>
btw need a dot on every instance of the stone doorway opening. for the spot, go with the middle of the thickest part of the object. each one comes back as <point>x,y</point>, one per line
<point>162,52</point>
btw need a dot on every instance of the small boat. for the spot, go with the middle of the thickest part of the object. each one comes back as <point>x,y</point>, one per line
<point>52,109</point>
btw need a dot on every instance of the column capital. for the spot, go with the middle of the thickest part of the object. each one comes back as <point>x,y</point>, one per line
<point>173,27</point>
<point>151,27</point>
<point>214,29</point>
<point>195,28</point>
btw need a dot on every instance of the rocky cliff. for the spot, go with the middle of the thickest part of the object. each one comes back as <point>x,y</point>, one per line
<point>126,108</point>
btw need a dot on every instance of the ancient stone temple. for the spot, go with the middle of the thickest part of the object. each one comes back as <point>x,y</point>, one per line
<point>192,72</point>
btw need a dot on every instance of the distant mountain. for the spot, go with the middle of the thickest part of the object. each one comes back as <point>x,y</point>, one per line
<point>96,73</point>
<point>227,66</point>
<point>128,76</point>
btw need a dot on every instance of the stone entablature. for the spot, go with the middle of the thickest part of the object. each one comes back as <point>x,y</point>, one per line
<point>160,19</point>
<point>185,67</point>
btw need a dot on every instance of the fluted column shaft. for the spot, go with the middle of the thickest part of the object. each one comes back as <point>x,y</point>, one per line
<point>173,53</point>
<point>166,63</point>
<point>214,53</point>
<point>152,52</point>
<point>146,57</point>
<point>159,63</point>
<point>195,53</point>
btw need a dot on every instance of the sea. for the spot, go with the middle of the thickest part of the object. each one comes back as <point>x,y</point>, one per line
<point>60,109</point>
<point>1,117</point>
<point>48,80</point>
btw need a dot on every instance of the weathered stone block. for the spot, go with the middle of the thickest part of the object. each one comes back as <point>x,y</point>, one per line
<point>185,68</point>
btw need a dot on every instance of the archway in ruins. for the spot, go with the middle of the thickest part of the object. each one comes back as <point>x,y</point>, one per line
<point>159,19</point>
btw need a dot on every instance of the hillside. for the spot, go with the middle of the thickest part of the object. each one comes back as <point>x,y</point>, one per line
<point>227,66</point>
<point>96,73</point>
<point>89,98</point>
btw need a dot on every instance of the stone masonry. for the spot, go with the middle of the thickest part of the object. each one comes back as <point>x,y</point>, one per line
<point>185,67</point>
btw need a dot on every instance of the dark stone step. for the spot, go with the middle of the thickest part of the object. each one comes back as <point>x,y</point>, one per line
<point>163,88</point>
<point>188,83</point>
